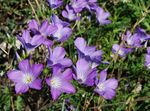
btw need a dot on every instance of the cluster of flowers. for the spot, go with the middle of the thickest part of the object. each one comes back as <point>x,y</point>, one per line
<point>130,42</point>
<point>73,10</point>
<point>85,70</point>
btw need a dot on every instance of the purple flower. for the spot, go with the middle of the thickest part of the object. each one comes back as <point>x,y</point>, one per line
<point>26,77</point>
<point>55,3</point>
<point>29,42</point>
<point>84,73</point>
<point>62,33</point>
<point>147,58</point>
<point>142,34</point>
<point>106,88</point>
<point>88,52</point>
<point>136,40</point>
<point>91,4</point>
<point>55,20</point>
<point>60,82</point>
<point>78,5</point>
<point>102,16</point>
<point>70,14</point>
<point>121,51</point>
<point>44,30</point>
<point>57,57</point>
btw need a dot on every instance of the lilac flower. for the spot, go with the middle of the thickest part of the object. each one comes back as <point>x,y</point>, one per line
<point>55,20</point>
<point>147,58</point>
<point>60,82</point>
<point>121,51</point>
<point>78,5</point>
<point>142,34</point>
<point>91,4</point>
<point>57,57</point>
<point>55,3</point>
<point>44,30</point>
<point>70,14</point>
<point>136,40</point>
<point>102,16</point>
<point>131,40</point>
<point>29,42</point>
<point>88,52</point>
<point>26,77</point>
<point>84,73</point>
<point>106,88</point>
<point>62,33</point>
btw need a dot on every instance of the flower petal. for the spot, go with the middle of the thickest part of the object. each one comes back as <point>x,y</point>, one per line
<point>103,75</point>
<point>26,36</point>
<point>58,53</point>
<point>44,26</point>
<point>67,74</point>
<point>67,87</point>
<point>24,65</point>
<point>15,75</point>
<point>109,94</point>
<point>21,88</point>
<point>82,66</point>
<point>37,40</point>
<point>36,69</point>
<point>36,84</point>
<point>80,43</point>
<point>55,93</point>
<point>33,24</point>
<point>111,83</point>
<point>65,62</point>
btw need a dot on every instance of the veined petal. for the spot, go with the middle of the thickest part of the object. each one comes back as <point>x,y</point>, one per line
<point>50,29</point>
<point>65,34</point>
<point>36,84</point>
<point>24,65</point>
<point>37,40</point>
<point>80,43</point>
<point>58,53</point>
<point>103,75</point>
<point>21,88</point>
<point>26,36</point>
<point>67,74</point>
<point>55,93</point>
<point>67,87</point>
<point>82,66</point>
<point>111,83</point>
<point>56,69</point>
<point>44,26</point>
<point>109,94</point>
<point>36,69</point>
<point>33,24</point>
<point>15,75</point>
<point>65,62</point>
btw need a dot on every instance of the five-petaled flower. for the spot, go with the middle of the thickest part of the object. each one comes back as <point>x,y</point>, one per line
<point>106,88</point>
<point>26,77</point>
<point>60,82</point>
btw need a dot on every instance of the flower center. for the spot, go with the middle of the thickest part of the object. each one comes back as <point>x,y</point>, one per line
<point>101,87</point>
<point>28,78</point>
<point>120,52</point>
<point>55,82</point>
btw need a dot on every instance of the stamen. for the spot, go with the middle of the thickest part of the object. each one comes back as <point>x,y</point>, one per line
<point>101,87</point>
<point>28,78</point>
<point>55,82</point>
